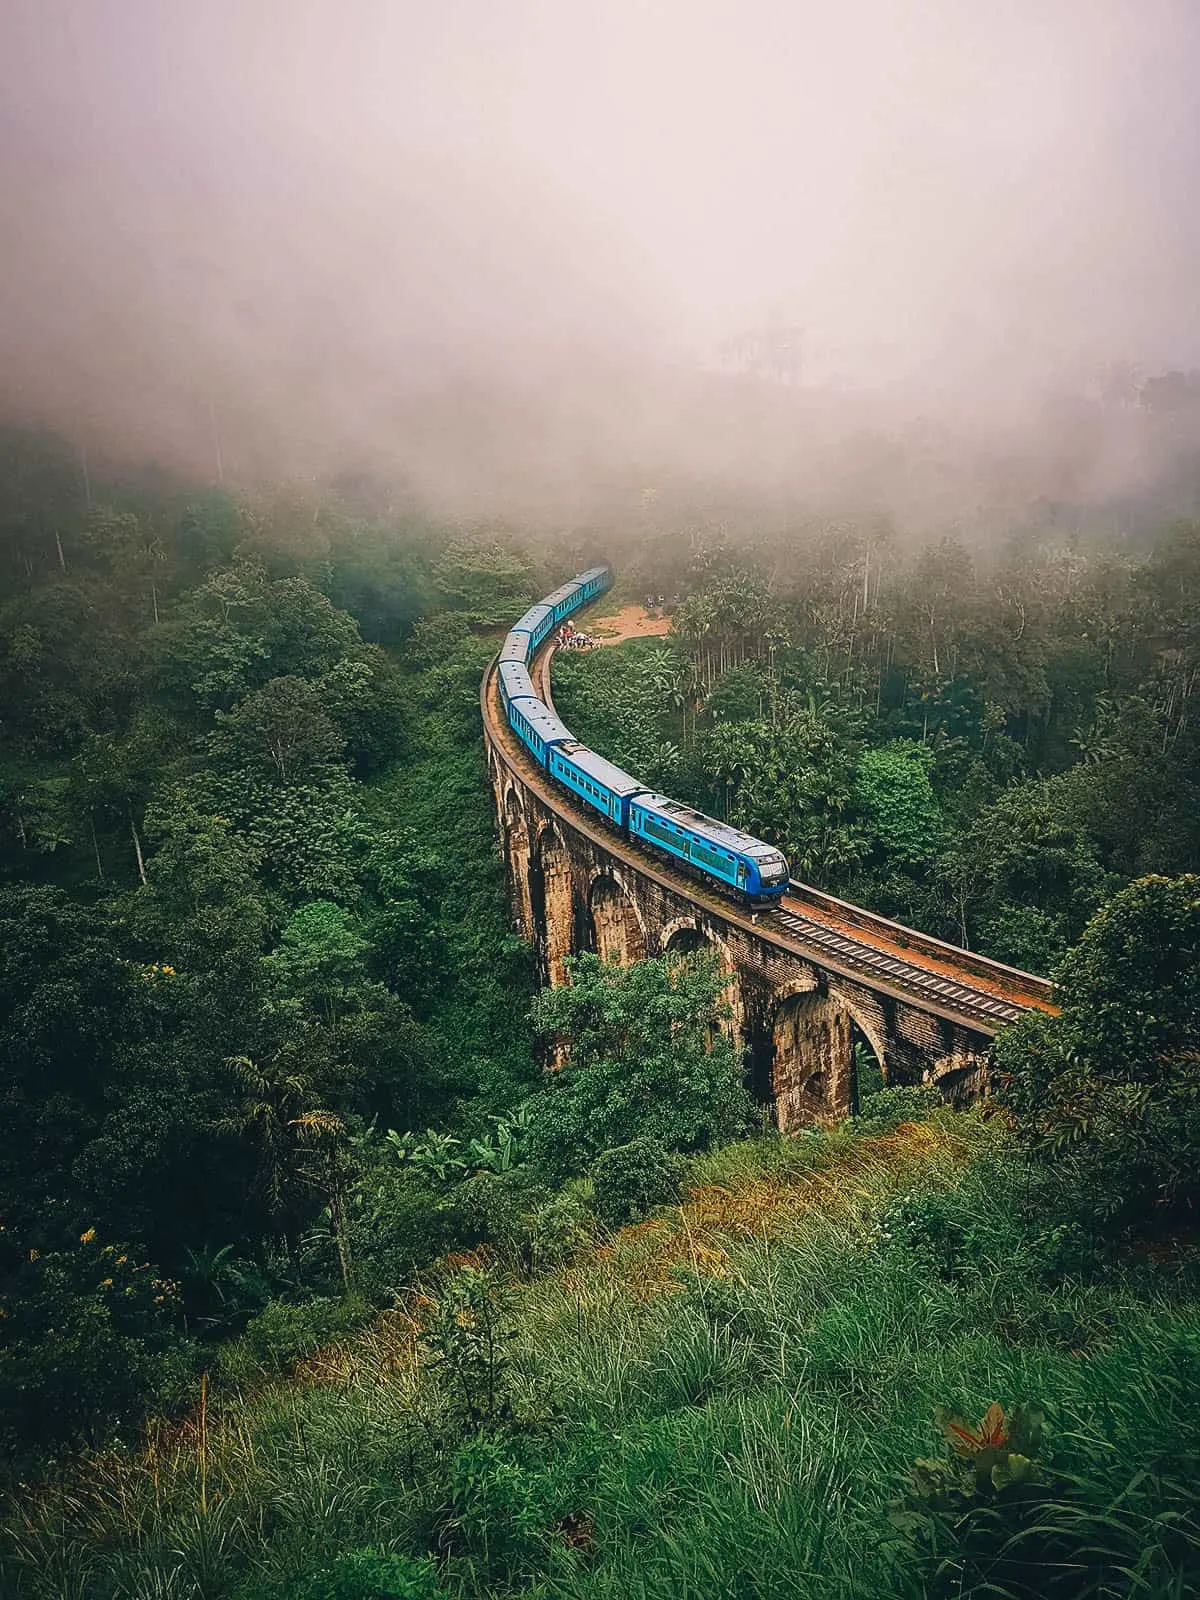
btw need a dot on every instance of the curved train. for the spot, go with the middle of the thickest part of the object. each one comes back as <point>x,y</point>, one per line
<point>735,861</point>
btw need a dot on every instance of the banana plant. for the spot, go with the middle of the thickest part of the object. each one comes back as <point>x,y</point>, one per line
<point>507,1150</point>
<point>437,1154</point>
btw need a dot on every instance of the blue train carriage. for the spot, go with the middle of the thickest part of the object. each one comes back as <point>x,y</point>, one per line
<point>516,649</point>
<point>538,729</point>
<point>515,683</point>
<point>563,601</point>
<point>737,859</point>
<point>595,781</point>
<point>594,581</point>
<point>535,624</point>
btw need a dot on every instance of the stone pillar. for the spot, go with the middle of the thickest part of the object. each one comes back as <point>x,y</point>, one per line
<point>557,909</point>
<point>516,857</point>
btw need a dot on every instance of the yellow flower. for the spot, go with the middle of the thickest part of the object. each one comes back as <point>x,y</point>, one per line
<point>34,1254</point>
<point>86,1238</point>
<point>106,1283</point>
<point>121,1260</point>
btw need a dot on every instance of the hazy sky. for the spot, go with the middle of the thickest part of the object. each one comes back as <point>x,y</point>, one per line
<point>322,218</point>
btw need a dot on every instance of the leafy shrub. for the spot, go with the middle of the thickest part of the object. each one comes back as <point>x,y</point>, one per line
<point>1111,1517</point>
<point>283,1333</point>
<point>398,1224</point>
<point>885,1109</point>
<point>631,1179</point>
<point>932,1225</point>
<point>465,1343</point>
<point>648,1059</point>
<point>518,1217</point>
<point>503,1511</point>
<point>975,1511</point>
<point>443,1157</point>
<point>368,1575</point>
<point>88,1345</point>
<point>559,1231</point>
<point>1108,1093</point>
<point>497,1208</point>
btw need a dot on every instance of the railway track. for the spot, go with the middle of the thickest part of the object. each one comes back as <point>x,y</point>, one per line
<point>898,970</point>
<point>845,939</point>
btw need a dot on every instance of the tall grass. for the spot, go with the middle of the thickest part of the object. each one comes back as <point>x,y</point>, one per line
<point>720,1401</point>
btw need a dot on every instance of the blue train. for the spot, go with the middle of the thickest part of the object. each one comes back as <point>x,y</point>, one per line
<point>754,871</point>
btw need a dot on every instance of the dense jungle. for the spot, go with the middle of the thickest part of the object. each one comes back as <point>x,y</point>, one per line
<point>316,1282</point>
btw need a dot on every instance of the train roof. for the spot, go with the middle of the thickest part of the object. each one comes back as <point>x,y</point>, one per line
<point>605,772</point>
<point>542,720</point>
<point>689,817</point>
<point>561,593</point>
<point>532,617</point>
<point>515,651</point>
<point>603,570</point>
<point>516,679</point>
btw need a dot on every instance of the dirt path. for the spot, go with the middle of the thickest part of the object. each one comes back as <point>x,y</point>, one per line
<point>631,622</point>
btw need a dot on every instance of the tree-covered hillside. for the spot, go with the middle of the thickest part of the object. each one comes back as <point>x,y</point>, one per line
<point>984,743</point>
<point>250,914</point>
<point>315,1283</point>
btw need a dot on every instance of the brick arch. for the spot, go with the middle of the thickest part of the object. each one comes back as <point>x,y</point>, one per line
<point>552,897</point>
<point>961,1076</point>
<point>618,932</point>
<point>811,1029</point>
<point>868,1027</point>
<point>682,936</point>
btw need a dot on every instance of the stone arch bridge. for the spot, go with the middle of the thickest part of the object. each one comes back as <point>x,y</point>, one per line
<point>805,981</point>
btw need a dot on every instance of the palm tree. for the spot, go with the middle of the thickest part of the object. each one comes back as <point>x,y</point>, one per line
<point>277,1101</point>
<point>323,1137</point>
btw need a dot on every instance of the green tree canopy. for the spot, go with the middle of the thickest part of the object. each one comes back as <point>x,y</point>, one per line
<point>893,792</point>
<point>1131,987</point>
<point>647,1059</point>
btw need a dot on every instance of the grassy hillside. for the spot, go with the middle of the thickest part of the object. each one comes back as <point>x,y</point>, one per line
<point>720,1400</point>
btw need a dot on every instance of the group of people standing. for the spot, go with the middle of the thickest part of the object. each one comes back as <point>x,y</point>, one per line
<point>570,637</point>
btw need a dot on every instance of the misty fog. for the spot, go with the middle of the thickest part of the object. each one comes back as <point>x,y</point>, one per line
<point>510,253</point>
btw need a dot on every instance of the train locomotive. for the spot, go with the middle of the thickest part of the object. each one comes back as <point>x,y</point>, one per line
<point>735,861</point>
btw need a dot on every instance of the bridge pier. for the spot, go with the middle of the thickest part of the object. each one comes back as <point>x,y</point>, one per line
<point>552,892</point>
<point>514,831</point>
